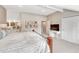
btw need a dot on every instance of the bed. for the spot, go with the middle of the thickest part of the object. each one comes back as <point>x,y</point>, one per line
<point>23,42</point>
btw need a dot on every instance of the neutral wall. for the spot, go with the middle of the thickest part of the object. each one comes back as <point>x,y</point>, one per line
<point>2,15</point>
<point>22,16</point>
<point>12,15</point>
<point>55,18</point>
<point>32,17</point>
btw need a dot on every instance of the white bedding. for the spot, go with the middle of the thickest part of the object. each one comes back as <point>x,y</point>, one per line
<point>23,42</point>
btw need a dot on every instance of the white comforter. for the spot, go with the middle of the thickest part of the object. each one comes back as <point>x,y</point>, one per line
<point>23,42</point>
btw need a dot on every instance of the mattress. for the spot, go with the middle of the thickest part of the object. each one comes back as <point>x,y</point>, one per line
<point>23,42</point>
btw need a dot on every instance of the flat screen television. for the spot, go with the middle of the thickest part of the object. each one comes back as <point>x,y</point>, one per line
<point>54,27</point>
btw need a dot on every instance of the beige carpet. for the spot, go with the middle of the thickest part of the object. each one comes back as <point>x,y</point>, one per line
<point>62,46</point>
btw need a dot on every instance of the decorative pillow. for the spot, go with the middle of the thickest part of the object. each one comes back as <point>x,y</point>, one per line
<point>3,33</point>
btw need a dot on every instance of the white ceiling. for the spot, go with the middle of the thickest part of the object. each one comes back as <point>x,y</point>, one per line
<point>35,9</point>
<point>41,9</point>
<point>70,7</point>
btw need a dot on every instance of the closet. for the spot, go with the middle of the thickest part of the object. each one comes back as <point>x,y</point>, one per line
<point>70,29</point>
